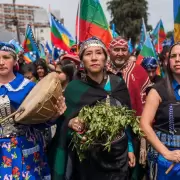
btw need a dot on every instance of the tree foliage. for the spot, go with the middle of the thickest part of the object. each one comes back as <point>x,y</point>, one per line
<point>169,34</point>
<point>127,16</point>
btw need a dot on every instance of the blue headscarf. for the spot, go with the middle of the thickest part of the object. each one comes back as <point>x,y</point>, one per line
<point>149,63</point>
<point>8,48</point>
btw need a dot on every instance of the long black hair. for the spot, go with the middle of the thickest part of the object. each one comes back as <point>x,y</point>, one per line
<point>69,70</point>
<point>165,50</point>
<point>41,62</point>
<point>169,75</point>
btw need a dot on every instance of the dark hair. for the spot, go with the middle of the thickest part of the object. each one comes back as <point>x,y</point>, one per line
<point>69,70</point>
<point>169,76</point>
<point>137,53</point>
<point>165,50</point>
<point>66,62</point>
<point>41,62</point>
<point>28,68</point>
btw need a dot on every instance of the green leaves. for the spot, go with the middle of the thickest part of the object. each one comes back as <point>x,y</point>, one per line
<point>127,16</point>
<point>103,123</point>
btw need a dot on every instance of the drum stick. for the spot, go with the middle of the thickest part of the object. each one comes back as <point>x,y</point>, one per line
<point>170,167</point>
<point>12,115</point>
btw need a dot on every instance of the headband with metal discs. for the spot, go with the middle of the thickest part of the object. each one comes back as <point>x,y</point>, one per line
<point>91,42</point>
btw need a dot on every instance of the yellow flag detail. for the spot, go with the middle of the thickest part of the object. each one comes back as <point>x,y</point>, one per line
<point>65,39</point>
<point>176,32</point>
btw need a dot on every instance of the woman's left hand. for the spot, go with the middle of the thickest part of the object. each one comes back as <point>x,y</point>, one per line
<point>60,107</point>
<point>132,159</point>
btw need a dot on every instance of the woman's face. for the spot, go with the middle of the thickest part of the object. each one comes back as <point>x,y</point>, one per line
<point>29,75</point>
<point>7,62</point>
<point>174,60</point>
<point>94,60</point>
<point>40,72</point>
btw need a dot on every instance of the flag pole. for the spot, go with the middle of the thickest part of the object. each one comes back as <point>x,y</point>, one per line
<point>144,26</point>
<point>113,30</point>
<point>78,26</point>
<point>158,37</point>
<point>49,8</point>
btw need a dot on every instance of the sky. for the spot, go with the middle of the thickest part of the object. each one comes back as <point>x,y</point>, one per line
<point>158,9</point>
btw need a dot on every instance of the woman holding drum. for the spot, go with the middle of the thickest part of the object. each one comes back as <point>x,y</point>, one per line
<point>21,148</point>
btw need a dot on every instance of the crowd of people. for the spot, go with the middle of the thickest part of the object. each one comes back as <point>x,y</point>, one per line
<point>44,151</point>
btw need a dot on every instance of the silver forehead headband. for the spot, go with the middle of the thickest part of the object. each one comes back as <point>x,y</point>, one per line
<point>91,43</point>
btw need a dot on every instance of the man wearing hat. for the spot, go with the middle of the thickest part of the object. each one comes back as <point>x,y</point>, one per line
<point>137,81</point>
<point>150,64</point>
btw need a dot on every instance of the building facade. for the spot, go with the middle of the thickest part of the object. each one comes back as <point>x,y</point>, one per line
<point>24,14</point>
<point>36,16</point>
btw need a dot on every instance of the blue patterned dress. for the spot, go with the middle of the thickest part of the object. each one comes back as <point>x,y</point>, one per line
<point>22,153</point>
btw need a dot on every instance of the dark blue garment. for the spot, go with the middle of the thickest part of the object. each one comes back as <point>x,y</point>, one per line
<point>176,88</point>
<point>17,90</point>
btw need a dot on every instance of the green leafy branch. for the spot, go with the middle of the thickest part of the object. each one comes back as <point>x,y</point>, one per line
<point>103,123</point>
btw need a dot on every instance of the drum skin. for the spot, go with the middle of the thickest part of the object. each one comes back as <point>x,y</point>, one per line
<point>40,103</point>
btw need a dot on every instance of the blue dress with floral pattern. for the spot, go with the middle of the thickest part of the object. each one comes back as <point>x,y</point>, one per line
<point>21,157</point>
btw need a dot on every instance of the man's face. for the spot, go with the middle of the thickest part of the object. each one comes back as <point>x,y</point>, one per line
<point>151,73</point>
<point>119,55</point>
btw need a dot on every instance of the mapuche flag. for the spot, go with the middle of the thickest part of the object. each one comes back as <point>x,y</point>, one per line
<point>60,36</point>
<point>159,36</point>
<point>29,43</point>
<point>93,22</point>
<point>147,50</point>
<point>176,20</point>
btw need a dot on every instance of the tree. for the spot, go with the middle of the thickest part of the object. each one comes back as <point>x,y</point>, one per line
<point>127,16</point>
<point>169,34</point>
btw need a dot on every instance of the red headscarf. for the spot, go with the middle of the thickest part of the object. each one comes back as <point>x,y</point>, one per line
<point>118,41</point>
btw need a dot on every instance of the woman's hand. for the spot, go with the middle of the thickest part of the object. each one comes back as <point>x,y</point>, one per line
<point>173,156</point>
<point>47,56</point>
<point>76,124</point>
<point>132,159</point>
<point>60,107</point>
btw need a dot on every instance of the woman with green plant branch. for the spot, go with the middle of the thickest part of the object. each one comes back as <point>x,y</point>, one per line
<point>86,98</point>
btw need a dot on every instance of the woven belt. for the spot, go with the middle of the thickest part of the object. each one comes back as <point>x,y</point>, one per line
<point>170,140</point>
